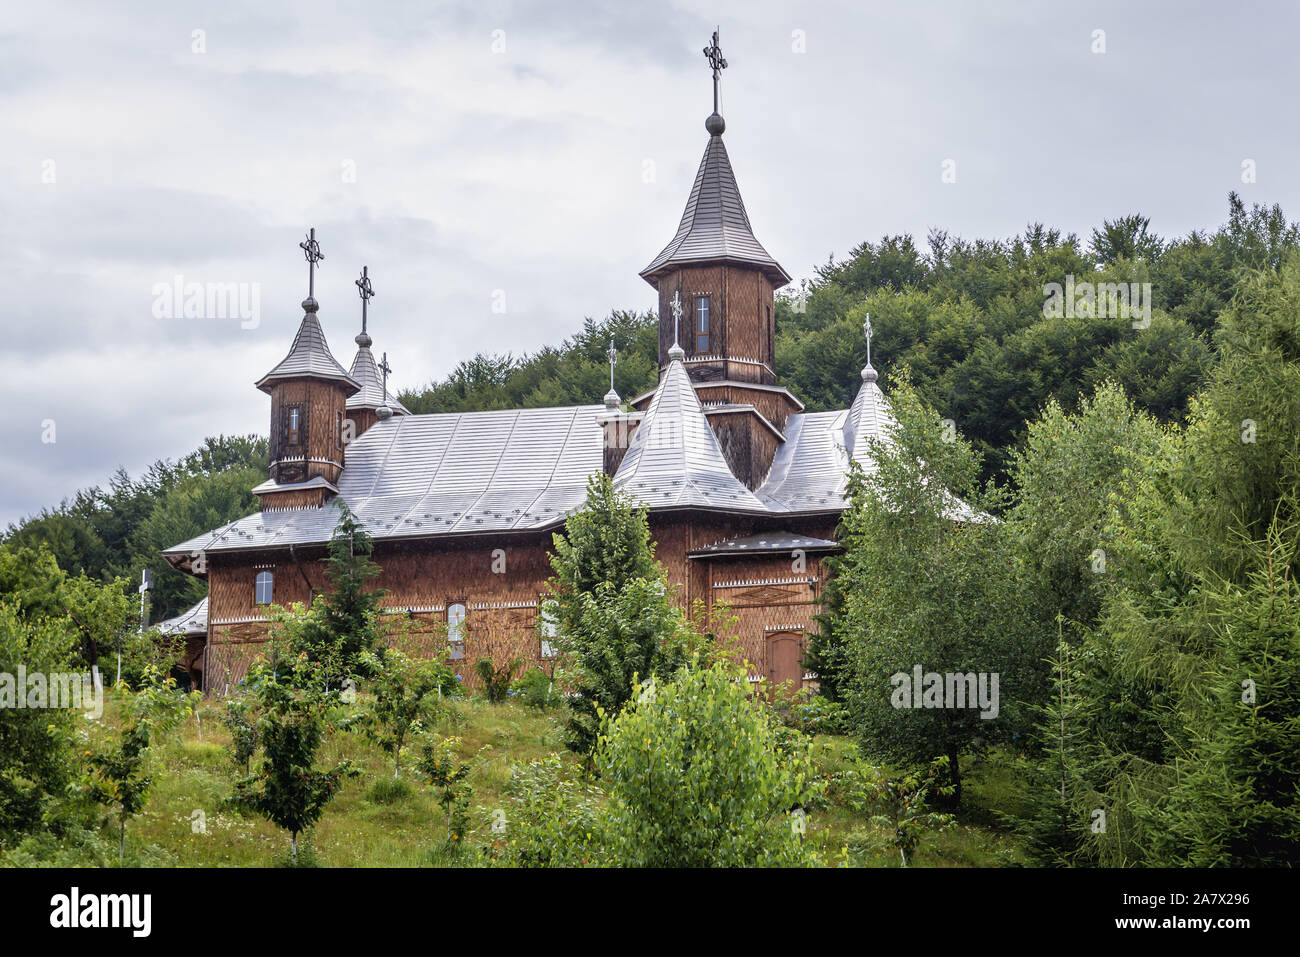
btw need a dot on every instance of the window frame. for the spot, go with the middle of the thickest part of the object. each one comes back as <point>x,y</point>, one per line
<point>702,329</point>
<point>456,639</point>
<point>267,577</point>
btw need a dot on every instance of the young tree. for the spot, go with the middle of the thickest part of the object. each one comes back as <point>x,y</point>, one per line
<point>288,789</point>
<point>615,615</point>
<point>345,621</point>
<point>439,764</point>
<point>403,690</point>
<point>122,776</point>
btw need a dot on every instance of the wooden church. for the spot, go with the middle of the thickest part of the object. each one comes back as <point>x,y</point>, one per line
<point>744,489</point>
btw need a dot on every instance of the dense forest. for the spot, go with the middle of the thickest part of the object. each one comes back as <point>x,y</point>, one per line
<point>965,318</point>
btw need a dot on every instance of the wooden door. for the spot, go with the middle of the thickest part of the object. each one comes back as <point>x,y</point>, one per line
<point>785,660</point>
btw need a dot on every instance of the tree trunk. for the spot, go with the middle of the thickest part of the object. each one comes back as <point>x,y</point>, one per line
<point>293,847</point>
<point>121,841</point>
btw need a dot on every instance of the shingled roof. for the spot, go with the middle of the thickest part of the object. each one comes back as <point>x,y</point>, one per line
<point>715,226</point>
<point>309,356</point>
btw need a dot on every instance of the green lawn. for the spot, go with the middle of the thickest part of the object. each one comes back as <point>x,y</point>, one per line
<point>358,829</point>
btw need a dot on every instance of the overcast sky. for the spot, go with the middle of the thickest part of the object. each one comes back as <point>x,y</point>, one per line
<point>539,155</point>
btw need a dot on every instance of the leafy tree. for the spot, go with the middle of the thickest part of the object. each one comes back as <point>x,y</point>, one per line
<point>287,788</point>
<point>122,776</point>
<point>699,774</point>
<point>438,762</point>
<point>35,743</point>
<point>403,690</point>
<point>928,581</point>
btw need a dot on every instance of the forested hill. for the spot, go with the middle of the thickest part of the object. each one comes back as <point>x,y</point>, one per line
<point>967,318</point>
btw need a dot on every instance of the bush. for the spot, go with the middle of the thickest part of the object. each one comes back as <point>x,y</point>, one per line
<point>699,774</point>
<point>388,790</point>
<point>536,690</point>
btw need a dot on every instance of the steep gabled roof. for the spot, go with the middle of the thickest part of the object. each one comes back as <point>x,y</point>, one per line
<point>715,225</point>
<point>309,356</point>
<point>674,460</point>
<point>366,373</point>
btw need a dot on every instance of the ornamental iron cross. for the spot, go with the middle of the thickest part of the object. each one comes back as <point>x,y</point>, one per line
<point>367,292</point>
<point>677,315</point>
<point>613,361</point>
<point>714,55</point>
<point>385,369</point>
<point>866,331</point>
<point>312,250</point>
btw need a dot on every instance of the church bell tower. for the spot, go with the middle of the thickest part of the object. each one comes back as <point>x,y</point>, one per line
<point>716,286</point>
<point>309,392</point>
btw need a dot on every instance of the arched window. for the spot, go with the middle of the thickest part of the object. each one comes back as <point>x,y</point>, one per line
<point>263,587</point>
<point>702,325</point>
<point>456,629</point>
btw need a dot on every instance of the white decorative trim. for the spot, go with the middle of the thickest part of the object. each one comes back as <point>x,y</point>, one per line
<point>784,627</point>
<point>499,605</point>
<point>236,621</point>
<point>750,583</point>
<point>410,609</point>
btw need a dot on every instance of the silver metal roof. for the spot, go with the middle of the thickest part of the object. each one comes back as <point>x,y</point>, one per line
<point>765,543</point>
<point>316,481</point>
<point>308,356</point>
<point>192,622</point>
<point>365,371</point>
<point>423,476</point>
<point>675,460</point>
<point>715,225</point>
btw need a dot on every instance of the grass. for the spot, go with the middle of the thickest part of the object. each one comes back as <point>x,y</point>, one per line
<point>377,822</point>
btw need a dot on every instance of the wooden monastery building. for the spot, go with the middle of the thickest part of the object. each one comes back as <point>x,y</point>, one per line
<point>744,489</point>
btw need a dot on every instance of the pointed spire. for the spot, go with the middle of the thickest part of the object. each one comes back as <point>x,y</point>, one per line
<point>373,393</point>
<point>675,459</point>
<point>869,416</point>
<point>715,226</point>
<point>611,397</point>
<point>310,355</point>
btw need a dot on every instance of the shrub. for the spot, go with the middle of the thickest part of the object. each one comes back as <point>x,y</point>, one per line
<point>700,775</point>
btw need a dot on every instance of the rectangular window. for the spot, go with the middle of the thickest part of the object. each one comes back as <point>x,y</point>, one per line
<point>456,629</point>
<point>263,588</point>
<point>702,325</point>
<point>294,429</point>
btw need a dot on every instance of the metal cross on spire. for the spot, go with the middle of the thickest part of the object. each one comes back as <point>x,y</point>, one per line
<point>677,317</point>
<point>312,250</point>
<point>713,54</point>
<point>385,369</point>
<point>866,331</point>
<point>367,293</point>
<point>613,361</point>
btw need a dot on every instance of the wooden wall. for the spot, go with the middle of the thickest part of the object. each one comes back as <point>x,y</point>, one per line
<point>501,581</point>
<point>741,323</point>
<point>322,402</point>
